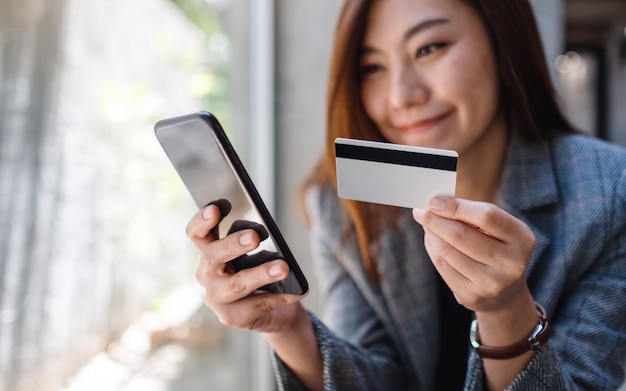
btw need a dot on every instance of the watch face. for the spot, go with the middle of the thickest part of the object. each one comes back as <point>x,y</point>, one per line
<point>474,339</point>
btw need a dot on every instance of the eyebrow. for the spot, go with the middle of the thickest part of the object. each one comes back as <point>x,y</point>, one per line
<point>426,24</point>
<point>423,26</point>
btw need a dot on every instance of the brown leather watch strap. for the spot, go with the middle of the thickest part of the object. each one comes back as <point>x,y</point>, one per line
<point>537,338</point>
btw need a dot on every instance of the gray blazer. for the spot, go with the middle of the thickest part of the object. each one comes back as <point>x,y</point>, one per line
<point>572,194</point>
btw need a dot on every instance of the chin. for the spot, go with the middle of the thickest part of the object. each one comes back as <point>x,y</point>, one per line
<point>419,141</point>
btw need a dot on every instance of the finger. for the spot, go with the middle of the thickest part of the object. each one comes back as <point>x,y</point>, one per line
<point>217,254</point>
<point>463,238</point>
<point>457,282</point>
<point>199,229</point>
<point>224,207</point>
<point>486,217</point>
<point>514,239</point>
<point>252,312</point>
<point>245,282</point>
<point>449,261</point>
<point>471,282</point>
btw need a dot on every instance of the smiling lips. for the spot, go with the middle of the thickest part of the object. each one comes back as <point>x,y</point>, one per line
<point>423,125</point>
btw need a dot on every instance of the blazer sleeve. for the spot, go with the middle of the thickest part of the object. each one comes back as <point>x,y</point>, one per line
<point>587,349</point>
<point>356,351</point>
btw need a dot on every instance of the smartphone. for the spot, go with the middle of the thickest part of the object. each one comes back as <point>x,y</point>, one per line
<point>212,172</point>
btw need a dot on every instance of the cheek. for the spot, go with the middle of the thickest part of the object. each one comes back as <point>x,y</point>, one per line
<point>373,102</point>
<point>474,87</point>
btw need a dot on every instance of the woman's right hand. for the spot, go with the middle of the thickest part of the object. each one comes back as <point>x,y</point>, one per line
<point>234,297</point>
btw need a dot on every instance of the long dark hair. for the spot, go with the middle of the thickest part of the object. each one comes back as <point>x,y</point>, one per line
<point>526,88</point>
<point>526,91</point>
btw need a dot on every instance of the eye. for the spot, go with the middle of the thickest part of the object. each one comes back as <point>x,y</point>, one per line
<point>370,69</point>
<point>430,48</point>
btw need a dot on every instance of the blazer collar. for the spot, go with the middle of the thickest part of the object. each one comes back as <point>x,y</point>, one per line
<point>528,180</point>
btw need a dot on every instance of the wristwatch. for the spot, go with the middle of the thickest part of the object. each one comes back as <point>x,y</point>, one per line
<point>537,338</point>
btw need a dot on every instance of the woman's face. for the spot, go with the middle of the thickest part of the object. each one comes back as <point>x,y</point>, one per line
<point>428,74</point>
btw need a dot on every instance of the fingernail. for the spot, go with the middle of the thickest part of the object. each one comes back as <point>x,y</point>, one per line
<point>206,213</point>
<point>437,203</point>
<point>245,239</point>
<point>275,270</point>
<point>418,214</point>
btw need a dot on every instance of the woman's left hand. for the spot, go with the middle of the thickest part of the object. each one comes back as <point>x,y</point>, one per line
<point>480,251</point>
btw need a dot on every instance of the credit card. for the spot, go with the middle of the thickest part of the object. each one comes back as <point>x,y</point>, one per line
<point>393,174</point>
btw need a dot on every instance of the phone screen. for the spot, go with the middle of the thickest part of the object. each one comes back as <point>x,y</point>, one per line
<point>212,173</point>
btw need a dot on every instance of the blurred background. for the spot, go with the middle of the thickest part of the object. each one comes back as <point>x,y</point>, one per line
<point>96,287</point>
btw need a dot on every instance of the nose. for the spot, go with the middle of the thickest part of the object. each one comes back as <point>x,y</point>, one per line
<point>407,87</point>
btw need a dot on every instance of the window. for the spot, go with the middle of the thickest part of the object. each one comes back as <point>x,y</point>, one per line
<point>96,273</point>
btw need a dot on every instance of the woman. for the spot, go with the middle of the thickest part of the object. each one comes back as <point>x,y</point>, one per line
<point>538,221</point>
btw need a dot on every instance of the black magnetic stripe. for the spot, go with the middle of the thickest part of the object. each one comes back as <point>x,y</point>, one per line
<point>404,158</point>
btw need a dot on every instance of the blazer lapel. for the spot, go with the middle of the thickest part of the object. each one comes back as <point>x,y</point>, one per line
<point>529,183</point>
<point>409,287</point>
